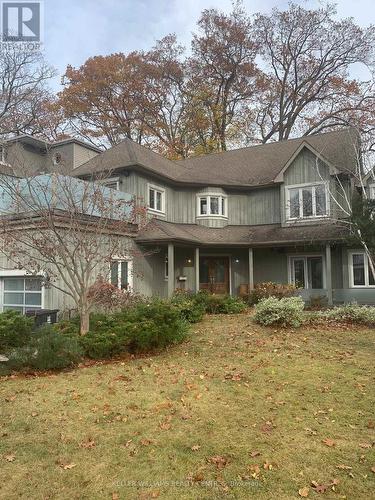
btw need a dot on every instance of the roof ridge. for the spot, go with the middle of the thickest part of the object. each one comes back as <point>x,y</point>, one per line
<point>273,143</point>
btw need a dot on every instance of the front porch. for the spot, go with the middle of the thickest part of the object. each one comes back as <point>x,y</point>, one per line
<point>321,271</point>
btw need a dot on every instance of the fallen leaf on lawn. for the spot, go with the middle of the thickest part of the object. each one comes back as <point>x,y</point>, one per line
<point>267,466</point>
<point>371,424</point>
<point>115,496</point>
<point>196,447</point>
<point>146,442</point>
<point>34,414</point>
<point>68,466</point>
<point>255,471</point>
<point>89,443</point>
<point>365,445</point>
<point>344,467</point>
<point>267,427</point>
<point>254,454</point>
<point>304,492</point>
<point>165,426</point>
<point>329,442</point>
<point>319,488</point>
<point>10,458</point>
<point>219,461</point>
<point>373,469</point>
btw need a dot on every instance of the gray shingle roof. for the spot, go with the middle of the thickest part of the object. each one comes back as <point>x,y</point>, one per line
<point>159,231</point>
<point>251,166</point>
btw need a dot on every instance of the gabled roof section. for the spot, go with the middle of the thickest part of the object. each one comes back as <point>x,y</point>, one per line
<point>261,165</point>
<point>246,167</point>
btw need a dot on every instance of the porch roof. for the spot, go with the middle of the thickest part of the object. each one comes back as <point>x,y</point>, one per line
<point>158,231</point>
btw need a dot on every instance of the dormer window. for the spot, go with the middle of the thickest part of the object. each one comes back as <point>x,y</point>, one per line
<point>307,201</point>
<point>156,199</point>
<point>212,205</point>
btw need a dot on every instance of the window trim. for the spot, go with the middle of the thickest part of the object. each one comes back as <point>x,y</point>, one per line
<point>292,257</point>
<point>351,272</point>
<point>162,191</point>
<point>119,260</point>
<point>300,188</point>
<point>210,195</point>
<point>20,273</point>
<point>111,180</point>
<point>371,188</point>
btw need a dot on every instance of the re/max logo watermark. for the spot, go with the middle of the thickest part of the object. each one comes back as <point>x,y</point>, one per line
<point>22,25</point>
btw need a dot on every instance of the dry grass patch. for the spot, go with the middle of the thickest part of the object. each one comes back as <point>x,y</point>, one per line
<point>237,411</point>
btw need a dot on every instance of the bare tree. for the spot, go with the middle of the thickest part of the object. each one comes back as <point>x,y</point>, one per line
<point>307,56</point>
<point>68,231</point>
<point>23,77</point>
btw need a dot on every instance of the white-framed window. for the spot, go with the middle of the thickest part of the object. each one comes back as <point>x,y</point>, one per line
<point>307,201</point>
<point>121,274</point>
<point>360,274</point>
<point>212,205</point>
<point>371,188</point>
<point>21,293</point>
<point>166,270</point>
<point>156,199</point>
<point>307,271</point>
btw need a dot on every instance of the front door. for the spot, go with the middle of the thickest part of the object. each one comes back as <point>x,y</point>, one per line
<point>214,274</point>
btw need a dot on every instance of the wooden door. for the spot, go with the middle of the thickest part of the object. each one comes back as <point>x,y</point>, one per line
<point>214,274</point>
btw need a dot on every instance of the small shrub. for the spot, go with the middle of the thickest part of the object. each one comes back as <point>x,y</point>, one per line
<point>103,344</point>
<point>142,328</point>
<point>155,325</point>
<point>15,330</point>
<point>190,309</point>
<point>351,313</point>
<point>47,349</point>
<point>284,312</point>
<point>224,304</point>
<point>270,289</point>
<point>109,298</point>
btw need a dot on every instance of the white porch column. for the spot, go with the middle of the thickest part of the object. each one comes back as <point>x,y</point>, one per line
<point>171,283</point>
<point>196,264</point>
<point>251,269</point>
<point>329,275</point>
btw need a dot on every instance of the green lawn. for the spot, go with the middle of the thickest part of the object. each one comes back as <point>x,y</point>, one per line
<point>237,411</point>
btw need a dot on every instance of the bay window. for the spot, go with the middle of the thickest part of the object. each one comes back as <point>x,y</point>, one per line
<point>307,201</point>
<point>360,270</point>
<point>212,205</point>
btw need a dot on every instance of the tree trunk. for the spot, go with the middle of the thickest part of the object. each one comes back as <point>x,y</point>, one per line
<point>85,321</point>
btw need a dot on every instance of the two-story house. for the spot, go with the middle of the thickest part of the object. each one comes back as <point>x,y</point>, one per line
<point>226,221</point>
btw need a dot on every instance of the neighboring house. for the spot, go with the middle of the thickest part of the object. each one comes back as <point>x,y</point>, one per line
<point>27,154</point>
<point>226,221</point>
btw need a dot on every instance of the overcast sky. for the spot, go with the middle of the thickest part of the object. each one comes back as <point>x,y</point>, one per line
<point>78,29</point>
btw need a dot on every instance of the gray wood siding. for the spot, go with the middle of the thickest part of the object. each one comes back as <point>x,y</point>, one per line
<point>82,155</point>
<point>259,206</point>
<point>306,168</point>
